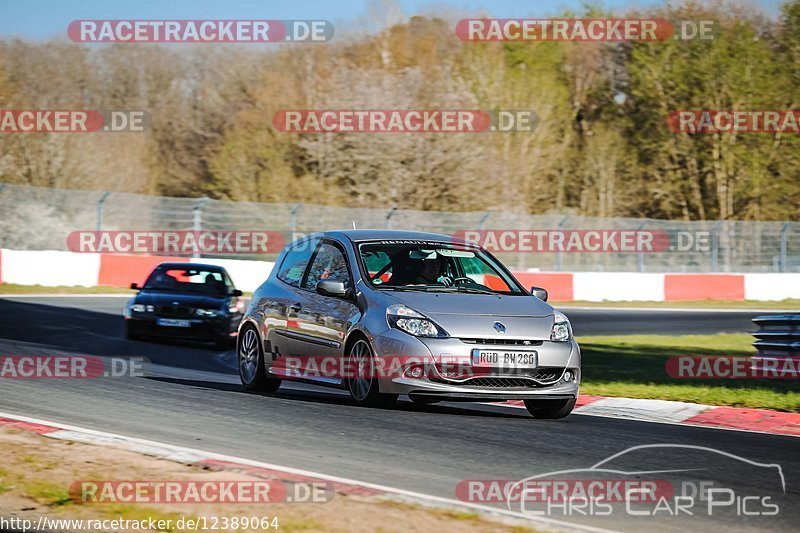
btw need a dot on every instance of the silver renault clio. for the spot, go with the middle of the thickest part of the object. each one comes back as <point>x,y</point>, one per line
<point>383,313</point>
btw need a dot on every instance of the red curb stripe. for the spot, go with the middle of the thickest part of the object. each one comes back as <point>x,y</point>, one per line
<point>586,399</point>
<point>41,429</point>
<point>751,419</point>
<point>268,473</point>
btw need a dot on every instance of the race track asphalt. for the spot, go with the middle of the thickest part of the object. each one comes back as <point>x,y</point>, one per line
<point>191,397</point>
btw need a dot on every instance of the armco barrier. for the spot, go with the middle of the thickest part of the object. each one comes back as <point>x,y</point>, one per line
<point>54,268</point>
<point>777,338</point>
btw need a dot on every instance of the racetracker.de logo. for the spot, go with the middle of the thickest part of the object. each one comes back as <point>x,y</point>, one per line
<point>403,121</point>
<point>597,30</point>
<point>70,121</point>
<point>69,367</point>
<point>582,241</point>
<point>563,490</point>
<point>199,31</point>
<point>734,121</point>
<point>150,492</point>
<point>176,242</point>
<point>733,367</point>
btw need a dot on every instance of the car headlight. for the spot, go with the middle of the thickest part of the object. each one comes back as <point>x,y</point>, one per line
<point>207,313</point>
<point>141,308</point>
<point>412,322</point>
<point>562,331</point>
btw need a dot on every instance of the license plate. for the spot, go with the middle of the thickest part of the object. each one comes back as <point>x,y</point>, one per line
<point>173,322</point>
<point>504,359</point>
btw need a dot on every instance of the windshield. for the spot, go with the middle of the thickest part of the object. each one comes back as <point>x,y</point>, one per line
<point>194,280</point>
<point>431,266</point>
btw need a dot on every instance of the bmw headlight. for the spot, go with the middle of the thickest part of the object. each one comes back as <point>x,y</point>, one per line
<point>207,313</point>
<point>412,322</point>
<point>141,308</point>
<point>562,331</point>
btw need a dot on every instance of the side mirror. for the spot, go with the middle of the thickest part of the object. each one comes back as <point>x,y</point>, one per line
<point>236,292</point>
<point>134,286</point>
<point>332,287</point>
<point>539,293</point>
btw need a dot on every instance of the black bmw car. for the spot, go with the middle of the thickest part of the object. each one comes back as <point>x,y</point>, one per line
<point>186,301</point>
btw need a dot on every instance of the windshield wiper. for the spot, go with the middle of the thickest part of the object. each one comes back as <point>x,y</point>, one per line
<point>403,288</point>
<point>457,288</point>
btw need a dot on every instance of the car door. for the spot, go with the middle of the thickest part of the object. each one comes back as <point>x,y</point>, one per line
<point>272,305</point>
<point>317,324</point>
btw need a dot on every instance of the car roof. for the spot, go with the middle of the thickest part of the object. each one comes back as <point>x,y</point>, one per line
<point>199,266</point>
<point>360,235</point>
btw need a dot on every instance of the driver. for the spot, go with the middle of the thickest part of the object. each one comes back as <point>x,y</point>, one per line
<point>431,270</point>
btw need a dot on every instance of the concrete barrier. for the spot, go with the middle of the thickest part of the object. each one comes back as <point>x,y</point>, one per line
<point>53,268</point>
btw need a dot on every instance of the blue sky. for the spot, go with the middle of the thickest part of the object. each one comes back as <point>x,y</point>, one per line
<point>41,19</point>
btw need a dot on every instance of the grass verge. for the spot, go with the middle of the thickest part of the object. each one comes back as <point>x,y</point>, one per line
<point>37,472</point>
<point>744,305</point>
<point>633,366</point>
<point>13,288</point>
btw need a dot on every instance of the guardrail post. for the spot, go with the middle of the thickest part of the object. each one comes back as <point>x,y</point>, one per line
<point>197,217</point>
<point>293,218</point>
<point>640,254</point>
<point>100,203</point>
<point>560,253</point>
<point>715,247</point>
<point>784,246</point>
<point>387,221</point>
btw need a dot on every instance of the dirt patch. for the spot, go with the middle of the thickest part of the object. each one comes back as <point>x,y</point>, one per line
<point>37,472</point>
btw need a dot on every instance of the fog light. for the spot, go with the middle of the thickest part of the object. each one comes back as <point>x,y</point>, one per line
<point>568,376</point>
<point>415,372</point>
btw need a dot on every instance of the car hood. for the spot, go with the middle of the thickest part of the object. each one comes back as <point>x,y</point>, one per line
<point>184,299</point>
<point>475,315</point>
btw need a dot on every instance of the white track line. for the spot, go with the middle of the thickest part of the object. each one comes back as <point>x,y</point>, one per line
<point>416,496</point>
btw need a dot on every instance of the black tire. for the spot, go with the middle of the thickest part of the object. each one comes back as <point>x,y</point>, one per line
<point>365,391</point>
<point>129,333</point>
<point>550,409</point>
<point>223,342</point>
<point>422,400</point>
<point>250,359</point>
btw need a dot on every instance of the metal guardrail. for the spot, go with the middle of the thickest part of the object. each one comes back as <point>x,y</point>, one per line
<point>777,338</point>
<point>37,218</point>
<point>778,335</point>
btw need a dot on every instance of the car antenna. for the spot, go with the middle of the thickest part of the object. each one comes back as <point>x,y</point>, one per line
<point>354,224</point>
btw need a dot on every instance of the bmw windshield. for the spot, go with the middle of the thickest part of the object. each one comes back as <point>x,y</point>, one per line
<point>188,280</point>
<point>434,267</point>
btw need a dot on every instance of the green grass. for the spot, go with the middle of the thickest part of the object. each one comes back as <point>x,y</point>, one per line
<point>688,304</point>
<point>13,288</point>
<point>633,366</point>
<point>47,493</point>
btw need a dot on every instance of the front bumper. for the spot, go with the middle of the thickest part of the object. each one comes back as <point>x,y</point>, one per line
<point>547,381</point>
<point>210,329</point>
